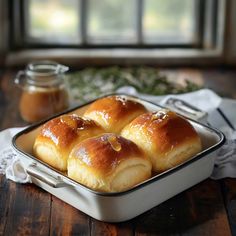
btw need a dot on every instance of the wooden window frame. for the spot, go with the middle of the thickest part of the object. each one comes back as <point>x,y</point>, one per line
<point>213,52</point>
<point>21,37</point>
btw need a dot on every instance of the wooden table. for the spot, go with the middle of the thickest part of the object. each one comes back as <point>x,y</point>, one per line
<point>209,208</point>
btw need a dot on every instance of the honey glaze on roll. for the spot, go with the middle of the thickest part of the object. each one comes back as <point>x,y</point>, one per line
<point>167,138</point>
<point>108,163</point>
<point>114,112</point>
<point>58,136</point>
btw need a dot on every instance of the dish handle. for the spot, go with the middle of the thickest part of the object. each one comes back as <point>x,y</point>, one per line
<point>34,171</point>
<point>186,109</point>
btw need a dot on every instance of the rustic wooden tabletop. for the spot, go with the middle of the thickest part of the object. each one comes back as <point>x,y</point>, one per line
<point>208,208</point>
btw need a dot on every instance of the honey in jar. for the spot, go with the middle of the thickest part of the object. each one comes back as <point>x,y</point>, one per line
<point>44,91</point>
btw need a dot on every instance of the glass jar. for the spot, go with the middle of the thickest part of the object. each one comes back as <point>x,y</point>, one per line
<point>44,92</point>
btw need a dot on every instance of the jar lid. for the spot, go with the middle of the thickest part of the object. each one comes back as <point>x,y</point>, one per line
<point>45,68</point>
<point>44,73</point>
<point>41,73</point>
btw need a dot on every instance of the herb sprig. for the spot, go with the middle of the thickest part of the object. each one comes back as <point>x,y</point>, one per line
<point>90,83</point>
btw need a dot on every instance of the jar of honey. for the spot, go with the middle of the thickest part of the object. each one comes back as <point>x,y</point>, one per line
<point>44,91</point>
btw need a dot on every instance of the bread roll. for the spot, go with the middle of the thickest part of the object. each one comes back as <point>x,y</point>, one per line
<point>58,136</point>
<point>114,112</point>
<point>167,138</point>
<point>108,163</point>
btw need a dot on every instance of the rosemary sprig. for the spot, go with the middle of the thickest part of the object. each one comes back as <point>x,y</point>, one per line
<point>90,83</point>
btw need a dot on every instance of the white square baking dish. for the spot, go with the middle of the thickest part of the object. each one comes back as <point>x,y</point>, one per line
<point>120,206</point>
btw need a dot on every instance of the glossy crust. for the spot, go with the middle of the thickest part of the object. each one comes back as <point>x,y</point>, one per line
<point>58,136</point>
<point>167,138</point>
<point>108,163</point>
<point>114,112</point>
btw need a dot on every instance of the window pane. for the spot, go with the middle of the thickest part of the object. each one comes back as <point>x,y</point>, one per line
<point>169,21</point>
<point>53,21</point>
<point>111,21</point>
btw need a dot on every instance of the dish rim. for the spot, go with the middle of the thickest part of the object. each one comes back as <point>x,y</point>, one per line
<point>152,179</point>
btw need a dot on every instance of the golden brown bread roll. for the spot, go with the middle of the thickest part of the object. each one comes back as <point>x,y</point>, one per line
<point>114,112</point>
<point>108,163</point>
<point>167,138</point>
<point>58,136</point>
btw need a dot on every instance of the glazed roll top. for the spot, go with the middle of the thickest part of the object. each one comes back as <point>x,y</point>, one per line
<point>108,163</point>
<point>114,112</point>
<point>58,136</point>
<point>167,138</point>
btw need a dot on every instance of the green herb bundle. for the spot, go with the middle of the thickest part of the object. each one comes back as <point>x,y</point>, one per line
<point>90,83</point>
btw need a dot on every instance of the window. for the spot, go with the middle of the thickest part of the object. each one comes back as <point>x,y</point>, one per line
<point>53,21</point>
<point>110,23</point>
<point>118,31</point>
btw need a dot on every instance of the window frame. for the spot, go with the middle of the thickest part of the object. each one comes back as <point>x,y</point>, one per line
<point>3,27</point>
<point>211,49</point>
<point>21,38</point>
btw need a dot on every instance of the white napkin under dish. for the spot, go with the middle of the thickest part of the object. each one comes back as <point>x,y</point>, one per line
<point>10,164</point>
<point>205,99</point>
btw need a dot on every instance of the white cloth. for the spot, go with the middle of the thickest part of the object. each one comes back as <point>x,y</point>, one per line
<point>10,164</point>
<point>205,99</point>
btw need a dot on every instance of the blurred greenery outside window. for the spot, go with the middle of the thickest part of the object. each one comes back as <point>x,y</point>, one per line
<point>99,23</point>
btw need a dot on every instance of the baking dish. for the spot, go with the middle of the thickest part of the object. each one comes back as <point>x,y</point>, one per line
<point>120,206</point>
